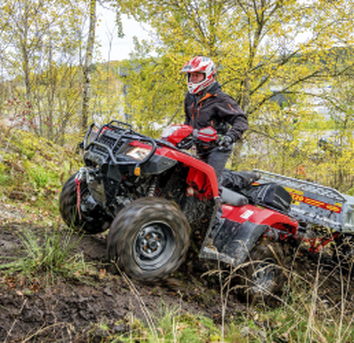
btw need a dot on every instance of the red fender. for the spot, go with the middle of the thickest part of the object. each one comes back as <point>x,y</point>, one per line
<point>259,215</point>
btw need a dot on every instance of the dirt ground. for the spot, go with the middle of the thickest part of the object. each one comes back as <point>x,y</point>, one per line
<point>32,310</point>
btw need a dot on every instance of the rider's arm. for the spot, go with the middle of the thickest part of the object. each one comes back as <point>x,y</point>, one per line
<point>231,112</point>
<point>187,117</point>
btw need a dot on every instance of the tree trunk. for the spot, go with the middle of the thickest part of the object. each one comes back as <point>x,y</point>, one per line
<point>88,66</point>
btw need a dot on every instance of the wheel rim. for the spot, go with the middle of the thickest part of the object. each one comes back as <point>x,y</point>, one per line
<point>263,276</point>
<point>153,245</point>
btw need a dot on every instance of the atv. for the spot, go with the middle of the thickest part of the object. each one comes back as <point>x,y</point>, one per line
<point>158,200</point>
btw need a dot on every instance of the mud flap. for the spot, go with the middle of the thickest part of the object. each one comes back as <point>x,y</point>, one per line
<point>233,242</point>
<point>242,240</point>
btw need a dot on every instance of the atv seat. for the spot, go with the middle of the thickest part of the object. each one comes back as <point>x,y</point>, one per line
<point>232,198</point>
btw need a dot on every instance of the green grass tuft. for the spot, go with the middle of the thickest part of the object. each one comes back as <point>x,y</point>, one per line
<point>55,256</point>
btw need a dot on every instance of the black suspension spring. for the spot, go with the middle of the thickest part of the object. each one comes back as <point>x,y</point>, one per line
<point>153,187</point>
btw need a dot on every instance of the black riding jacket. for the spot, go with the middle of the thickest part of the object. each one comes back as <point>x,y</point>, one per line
<point>217,109</point>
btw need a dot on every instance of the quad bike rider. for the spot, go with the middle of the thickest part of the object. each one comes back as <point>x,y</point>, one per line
<point>157,199</point>
<point>214,115</point>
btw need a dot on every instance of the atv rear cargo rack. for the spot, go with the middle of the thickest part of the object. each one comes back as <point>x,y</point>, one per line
<point>314,204</point>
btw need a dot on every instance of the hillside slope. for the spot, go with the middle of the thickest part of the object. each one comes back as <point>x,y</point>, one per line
<point>85,298</point>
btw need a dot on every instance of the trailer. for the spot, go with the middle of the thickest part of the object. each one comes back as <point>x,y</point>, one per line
<point>323,213</point>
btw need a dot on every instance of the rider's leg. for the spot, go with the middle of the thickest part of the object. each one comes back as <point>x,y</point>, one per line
<point>217,159</point>
<point>238,180</point>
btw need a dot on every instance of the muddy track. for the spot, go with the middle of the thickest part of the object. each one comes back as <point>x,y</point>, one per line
<point>32,309</point>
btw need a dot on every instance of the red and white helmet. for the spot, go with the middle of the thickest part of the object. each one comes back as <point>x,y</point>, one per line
<point>199,64</point>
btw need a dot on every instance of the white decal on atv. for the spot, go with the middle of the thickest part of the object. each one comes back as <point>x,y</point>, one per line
<point>246,214</point>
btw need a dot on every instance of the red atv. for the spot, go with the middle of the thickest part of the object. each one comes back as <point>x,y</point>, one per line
<point>156,199</point>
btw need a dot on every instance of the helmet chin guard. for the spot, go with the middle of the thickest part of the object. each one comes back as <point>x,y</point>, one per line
<point>199,64</point>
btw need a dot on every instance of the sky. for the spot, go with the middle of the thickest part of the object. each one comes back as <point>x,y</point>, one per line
<point>106,32</point>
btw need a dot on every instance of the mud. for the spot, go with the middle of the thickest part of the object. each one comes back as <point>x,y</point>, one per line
<point>35,310</point>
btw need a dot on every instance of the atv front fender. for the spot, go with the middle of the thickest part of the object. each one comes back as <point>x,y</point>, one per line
<point>234,242</point>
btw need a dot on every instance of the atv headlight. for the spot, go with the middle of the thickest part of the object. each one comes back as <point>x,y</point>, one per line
<point>138,153</point>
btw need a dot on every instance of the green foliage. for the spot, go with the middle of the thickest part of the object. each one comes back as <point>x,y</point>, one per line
<point>46,39</point>
<point>172,325</point>
<point>107,102</point>
<point>260,53</point>
<point>33,169</point>
<point>54,255</point>
<point>39,175</point>
<point>4,177</point>
<point>182,327</point>
<point>258,49</point>
<point>154,93</point>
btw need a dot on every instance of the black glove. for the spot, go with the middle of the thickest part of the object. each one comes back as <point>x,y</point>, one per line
<point>225,142</point>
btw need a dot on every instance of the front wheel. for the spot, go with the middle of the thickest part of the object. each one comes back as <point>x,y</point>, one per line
<point>264,275</point>
<point>149,239</point>
<point>92,222</point>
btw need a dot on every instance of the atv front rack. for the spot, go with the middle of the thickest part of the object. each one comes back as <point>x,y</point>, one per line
<point>314,204</point>
<point>111,138</point>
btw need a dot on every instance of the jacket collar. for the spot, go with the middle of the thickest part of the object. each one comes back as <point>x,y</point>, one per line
<point>214,88</point>
<point>211,91</point>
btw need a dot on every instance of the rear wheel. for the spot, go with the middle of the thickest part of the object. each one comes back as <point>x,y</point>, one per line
<point>263,276</point>
<point>91,222</point>
<point>149,239</point>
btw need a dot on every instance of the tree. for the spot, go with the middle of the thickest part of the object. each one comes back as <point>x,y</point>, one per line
<point>338,142</point>
<point>41,44</point>
<point>262,48</point>
<point>254,43</point>
<point>88,65</point>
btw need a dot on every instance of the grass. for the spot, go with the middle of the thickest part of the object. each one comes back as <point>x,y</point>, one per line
<point>54,256</point>
<point>40,176</point>
<point>172,325</point>
<point>33,169</point>
<point>259,325</point>
<point>306,313</point>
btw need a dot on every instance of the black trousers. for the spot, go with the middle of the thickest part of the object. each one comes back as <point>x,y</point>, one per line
<point>217,158</point>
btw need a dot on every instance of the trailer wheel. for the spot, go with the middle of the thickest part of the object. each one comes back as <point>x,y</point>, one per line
<point>263,276</point>
<point>149,239</point>
<point>343,252</point>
